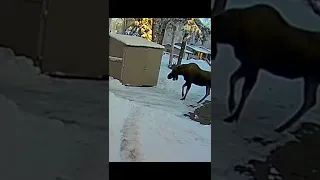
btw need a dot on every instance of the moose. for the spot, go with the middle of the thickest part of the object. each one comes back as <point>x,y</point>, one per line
<point>192,74</point>
<point>262,39</point>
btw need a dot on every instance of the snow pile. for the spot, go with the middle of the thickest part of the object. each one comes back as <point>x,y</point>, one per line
<point>27,138</point>
<point>16,120</point>
<point>34,114</point>
<point>17,69</point>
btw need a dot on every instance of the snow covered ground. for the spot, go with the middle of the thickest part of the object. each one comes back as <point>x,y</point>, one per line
<point>50,128</point>
<point>147,123</point>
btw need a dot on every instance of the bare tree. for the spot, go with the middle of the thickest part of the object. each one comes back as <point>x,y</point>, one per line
<point>163,24</point>
<point>186,36</point>
<point>162,29</point>
<point>203,40</point>
<point>191,27</point>
<point>174,28</point>
<point>154,29</point>
<point>173,23</point>
<point>124,26</point>
<point>116,25</point>
<point>205,31</point>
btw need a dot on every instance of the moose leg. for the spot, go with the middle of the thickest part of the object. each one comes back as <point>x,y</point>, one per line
<point>249,82</point>
<point>183,86</point>
<point>309,100</point>
<point>188,88</point>
<point>237,75</point>
<point>207,93</point>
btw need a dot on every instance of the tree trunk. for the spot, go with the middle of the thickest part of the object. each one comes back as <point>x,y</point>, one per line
<point>154,29</point>
<point>163,30</point>
<point>172,45</point>
<point>160,40</point>
<point>192,39</point>
<point>203,40</point>
<point>218,6</point>
<point>183,47</point>
<point>124,27</point>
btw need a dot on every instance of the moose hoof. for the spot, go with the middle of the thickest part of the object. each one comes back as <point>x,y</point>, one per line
<point>279,129</point>
<point>182,99</point>
<point>231,107</point>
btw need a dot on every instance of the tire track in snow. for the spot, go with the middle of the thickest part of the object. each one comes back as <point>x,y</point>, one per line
<point>130,147</point>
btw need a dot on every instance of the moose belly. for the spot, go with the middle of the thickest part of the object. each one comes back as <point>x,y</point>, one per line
<point>202,83</point>
<point>288,71</point>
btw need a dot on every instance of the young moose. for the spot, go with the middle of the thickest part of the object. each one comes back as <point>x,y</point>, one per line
<point>262,39</point>
<point>192,74</point>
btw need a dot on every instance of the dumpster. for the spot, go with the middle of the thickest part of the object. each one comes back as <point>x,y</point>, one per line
<point>133,60</point>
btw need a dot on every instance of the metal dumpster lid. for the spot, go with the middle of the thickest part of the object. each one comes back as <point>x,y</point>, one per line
<point>135,41</point>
